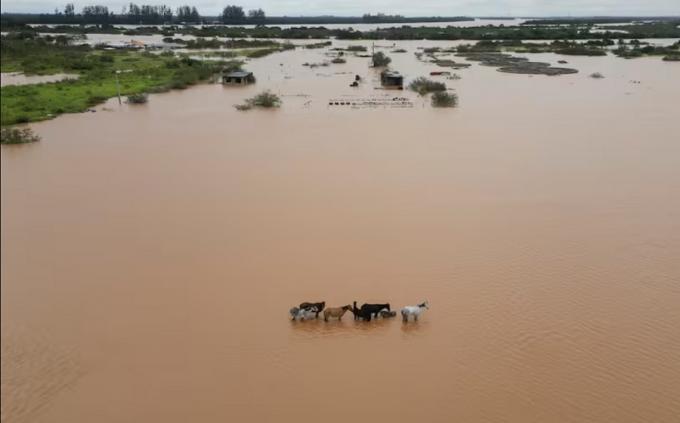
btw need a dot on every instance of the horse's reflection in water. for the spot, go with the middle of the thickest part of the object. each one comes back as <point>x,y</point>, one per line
<point>415,329</point>
<point>345,327</point>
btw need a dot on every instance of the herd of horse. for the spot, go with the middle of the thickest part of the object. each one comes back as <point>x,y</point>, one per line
<point>308,311</point>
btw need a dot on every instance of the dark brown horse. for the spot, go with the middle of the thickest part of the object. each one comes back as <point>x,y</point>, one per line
<point>368,311</point>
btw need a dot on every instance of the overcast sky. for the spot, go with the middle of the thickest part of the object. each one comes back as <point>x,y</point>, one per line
<point>402,7</point>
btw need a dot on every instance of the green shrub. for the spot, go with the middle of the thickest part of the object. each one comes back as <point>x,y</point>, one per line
<point>444,99</point>
<point>380,59</point>
<point>265,100</point>
<point>17,136</point>
<point>423,86</point>
<point>356,48</point>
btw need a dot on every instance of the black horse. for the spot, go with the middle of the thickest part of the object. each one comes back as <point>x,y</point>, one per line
<point>368,311</point>
<point>316,307</point>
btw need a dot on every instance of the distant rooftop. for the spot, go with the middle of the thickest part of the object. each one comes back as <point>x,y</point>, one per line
<point>239,74</point>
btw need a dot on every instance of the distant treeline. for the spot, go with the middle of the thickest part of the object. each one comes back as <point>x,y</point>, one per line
<point>594,20</point>
<point>667,29</point>
<point>134,14</point>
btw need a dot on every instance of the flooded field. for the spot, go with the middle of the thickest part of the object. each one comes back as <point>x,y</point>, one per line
<point>150,253</point>
<point>18,78</point>
<point>372,26</point>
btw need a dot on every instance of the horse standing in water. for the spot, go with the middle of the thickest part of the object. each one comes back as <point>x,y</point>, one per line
<point>316,307</point>
<point>413,311</point>
<point>336,312</point>
<point>368,311</point>
<point>302,314</point>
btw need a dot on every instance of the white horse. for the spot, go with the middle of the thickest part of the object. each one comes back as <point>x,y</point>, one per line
<point>413,311</point>
<point>302,314</point>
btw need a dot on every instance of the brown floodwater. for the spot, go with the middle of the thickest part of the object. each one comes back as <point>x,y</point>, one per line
<point>150,253</point>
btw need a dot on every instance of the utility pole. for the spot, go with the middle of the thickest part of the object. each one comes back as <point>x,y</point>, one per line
<point>118,88</point>
<point>373,53</point>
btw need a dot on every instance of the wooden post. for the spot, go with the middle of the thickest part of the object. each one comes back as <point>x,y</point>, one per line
<point>118,88</point>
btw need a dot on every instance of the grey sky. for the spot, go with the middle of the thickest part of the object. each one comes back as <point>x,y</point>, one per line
<point>403,7</point>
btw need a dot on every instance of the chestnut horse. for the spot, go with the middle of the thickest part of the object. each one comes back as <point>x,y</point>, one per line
<point>336,312</point>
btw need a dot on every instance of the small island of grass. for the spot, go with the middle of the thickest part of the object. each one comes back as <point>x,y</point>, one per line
<point>265,100</point>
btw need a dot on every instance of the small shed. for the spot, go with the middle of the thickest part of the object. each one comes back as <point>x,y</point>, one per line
<point>238,78</point>
<point>392,79</point>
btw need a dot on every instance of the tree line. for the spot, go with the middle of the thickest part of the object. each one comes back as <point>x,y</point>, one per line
<point>144,14</point>
<point>232,14</point>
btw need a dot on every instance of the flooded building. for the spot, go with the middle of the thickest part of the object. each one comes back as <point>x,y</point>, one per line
<point>238,78</point>
<point>392,79</point>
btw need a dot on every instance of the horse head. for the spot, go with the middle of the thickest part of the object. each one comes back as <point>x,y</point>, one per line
<point>425,304</point>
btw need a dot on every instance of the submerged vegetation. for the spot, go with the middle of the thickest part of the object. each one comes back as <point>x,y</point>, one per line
<point>423,86</point>
<point>513,64</point>
<point>17,136</point>
<point>637,50</point>
<point>266,99</point>
<point>140,98</point>
<point>319,45</point>
<point>634,48</point>
<point>444,99</point>
<point>98,70</point>
<point>356,48</point>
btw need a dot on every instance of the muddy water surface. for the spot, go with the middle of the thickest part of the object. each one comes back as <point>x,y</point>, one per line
<point>150,253</point>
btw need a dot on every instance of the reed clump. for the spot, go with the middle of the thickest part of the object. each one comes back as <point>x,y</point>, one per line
<point>424,86</point>
<point>18,136</point>
<point>444,99</point>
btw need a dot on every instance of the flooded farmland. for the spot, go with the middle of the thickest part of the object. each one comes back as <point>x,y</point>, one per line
<point>150,253</point>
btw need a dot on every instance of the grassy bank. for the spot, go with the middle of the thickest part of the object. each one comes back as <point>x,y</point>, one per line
<point>137,72</point>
